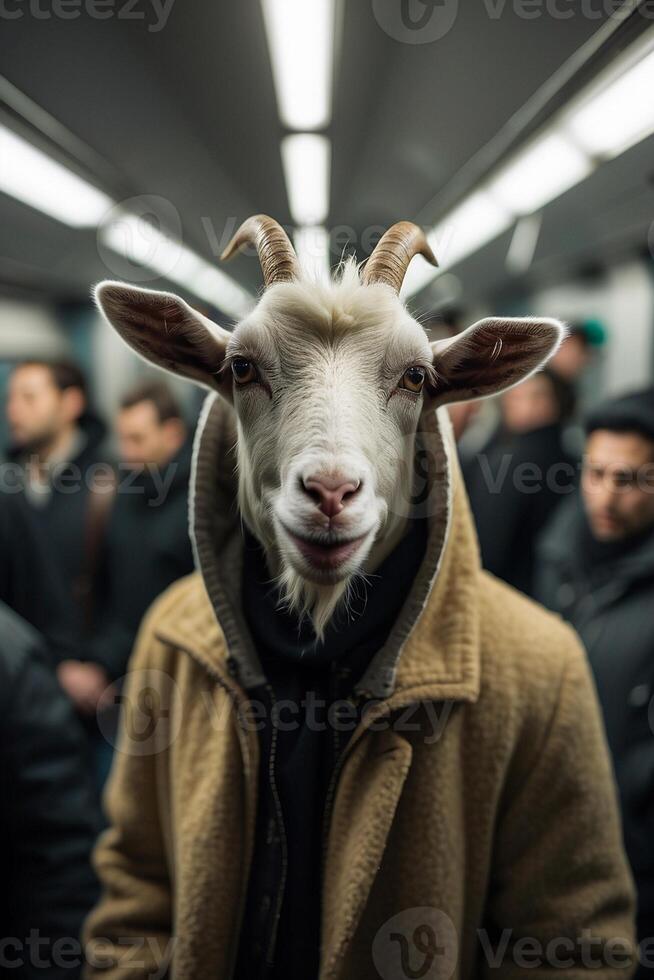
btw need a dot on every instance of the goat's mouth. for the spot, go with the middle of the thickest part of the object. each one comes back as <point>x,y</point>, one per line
<point>326,555</point>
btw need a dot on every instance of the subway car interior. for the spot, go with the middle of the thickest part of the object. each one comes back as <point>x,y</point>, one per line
<point>327,472</point>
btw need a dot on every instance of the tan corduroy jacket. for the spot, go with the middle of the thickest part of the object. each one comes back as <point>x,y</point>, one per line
<point>473,830</point>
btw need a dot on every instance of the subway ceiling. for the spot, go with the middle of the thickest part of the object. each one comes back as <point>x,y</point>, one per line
<point>188,113</point>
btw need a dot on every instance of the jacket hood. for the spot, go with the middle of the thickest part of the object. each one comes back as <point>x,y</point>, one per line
<point>440,611</point>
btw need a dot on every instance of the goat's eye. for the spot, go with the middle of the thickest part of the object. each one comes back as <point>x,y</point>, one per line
<point>244,371</point>
<point>413,379</point>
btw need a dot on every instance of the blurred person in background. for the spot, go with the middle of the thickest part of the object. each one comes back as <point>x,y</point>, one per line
<point>596,568</point>
<point>48,814</point>
<point>147,545</point>
<point>66,486</point>
<point>521,476</point>
<point>29,583</point>
<point>577,361</point>
<point>576,353</point>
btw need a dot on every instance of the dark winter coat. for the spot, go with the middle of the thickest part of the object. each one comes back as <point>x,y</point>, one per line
<point>48,813</point>
<point>514,486</point>
<point>29,583</point>
<point>611,604</point>
<point>146,548</point>
<point>63,521</point>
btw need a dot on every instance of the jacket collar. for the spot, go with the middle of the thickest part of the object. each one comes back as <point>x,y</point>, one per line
<point>432,650</point>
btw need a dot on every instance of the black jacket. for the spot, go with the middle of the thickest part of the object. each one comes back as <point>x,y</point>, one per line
<point>608,596</point>
<point>146,548</point>
<point>514,486</point>
<point>29,583</point>
<point>62,523</point>
<point>48,813</point>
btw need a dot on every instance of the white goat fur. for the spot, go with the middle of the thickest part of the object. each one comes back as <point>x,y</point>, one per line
<point>333,350</point>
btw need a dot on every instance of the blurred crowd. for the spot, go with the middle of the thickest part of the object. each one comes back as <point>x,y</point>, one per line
<point>564,505</point>
<point>88,540</point>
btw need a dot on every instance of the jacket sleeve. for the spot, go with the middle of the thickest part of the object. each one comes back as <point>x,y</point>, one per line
<point>128,936</point>
<point>561,901</point>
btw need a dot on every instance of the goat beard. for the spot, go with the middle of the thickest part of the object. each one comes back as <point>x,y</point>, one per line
<point>317,602</point>
<point>297,594</point>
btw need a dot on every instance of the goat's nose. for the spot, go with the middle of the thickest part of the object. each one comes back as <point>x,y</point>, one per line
<point>331,496</point>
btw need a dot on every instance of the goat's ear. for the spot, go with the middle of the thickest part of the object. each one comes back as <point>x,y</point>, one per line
<point>166,331</point>
<point>491,356</point>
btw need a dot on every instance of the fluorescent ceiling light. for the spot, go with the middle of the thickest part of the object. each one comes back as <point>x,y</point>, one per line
<point>301,42</point>
<point>477,220</point>
<point>542,171</point>
<point>306,158</point>
<point>523,244</point>
<point>215,287</point>
<point>34,178</point>
<point>619,114</point>
<point>140,242</point>
<point>613,113</point>
<point>312,249</point>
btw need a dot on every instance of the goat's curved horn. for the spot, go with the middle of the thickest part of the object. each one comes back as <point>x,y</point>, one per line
<point>276,254</point>
<point>394,250</point>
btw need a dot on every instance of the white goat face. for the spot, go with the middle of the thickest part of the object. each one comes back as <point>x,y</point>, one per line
<point>328,383</point>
